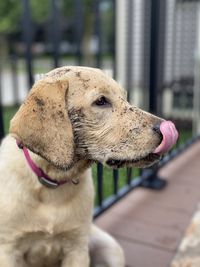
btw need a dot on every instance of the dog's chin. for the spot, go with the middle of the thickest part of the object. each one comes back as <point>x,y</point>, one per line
<point>142,162</point>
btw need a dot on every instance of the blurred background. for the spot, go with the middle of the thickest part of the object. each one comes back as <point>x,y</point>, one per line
<point>151,47</point>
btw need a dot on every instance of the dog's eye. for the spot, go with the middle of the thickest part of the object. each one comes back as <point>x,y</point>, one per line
<point>102,101</point>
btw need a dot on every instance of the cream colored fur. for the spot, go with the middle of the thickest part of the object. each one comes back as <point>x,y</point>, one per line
<point>65,129</point>
<point>39,225</point>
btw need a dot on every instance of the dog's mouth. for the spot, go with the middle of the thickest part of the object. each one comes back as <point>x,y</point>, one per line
<point>144,161</point>
<point>169,137</point>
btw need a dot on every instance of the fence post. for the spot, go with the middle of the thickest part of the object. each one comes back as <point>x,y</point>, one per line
<point>98,33</point>
<point>56,32</point>
<point>79,29</point>
<point>27,37</point>
<point>129,49</point>
<point>157,37</point>
<point>100,184</point>
<point>15,85</point>
<point>114,39</point>
<point>196,98</point>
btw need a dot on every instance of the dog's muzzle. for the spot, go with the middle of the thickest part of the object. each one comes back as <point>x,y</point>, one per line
<point>168,136</point>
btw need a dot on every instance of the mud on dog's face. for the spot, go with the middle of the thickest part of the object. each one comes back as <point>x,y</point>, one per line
<point>108,129</point>
<point>88,118</point>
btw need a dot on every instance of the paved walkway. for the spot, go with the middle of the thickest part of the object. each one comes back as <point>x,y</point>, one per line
<point>149,224</point>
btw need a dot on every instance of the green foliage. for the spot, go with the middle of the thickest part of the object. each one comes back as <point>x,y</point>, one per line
<point>10,12</point>
<point>68,8</point>
<point>8,113</point>
<point>184,136</point>
<point>39,10</point>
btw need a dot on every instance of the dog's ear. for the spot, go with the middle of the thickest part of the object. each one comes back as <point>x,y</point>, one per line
<point>42,123</point>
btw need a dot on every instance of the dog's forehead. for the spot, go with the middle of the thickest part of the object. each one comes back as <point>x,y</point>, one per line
<point>97,82</point>
<point>87,79</point>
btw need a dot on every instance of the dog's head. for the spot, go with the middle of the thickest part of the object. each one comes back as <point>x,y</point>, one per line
<point>80,113</point>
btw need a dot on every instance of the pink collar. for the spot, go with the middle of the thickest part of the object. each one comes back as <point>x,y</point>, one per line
<point>43,178</point>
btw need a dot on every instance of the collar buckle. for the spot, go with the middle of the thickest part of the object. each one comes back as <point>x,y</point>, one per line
<point>48,183</point>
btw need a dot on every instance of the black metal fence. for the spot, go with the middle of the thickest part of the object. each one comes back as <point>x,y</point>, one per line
<point>166,67</point>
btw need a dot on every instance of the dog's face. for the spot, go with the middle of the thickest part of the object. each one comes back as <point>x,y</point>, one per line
<point>80,113</point>
<point>107,128</point>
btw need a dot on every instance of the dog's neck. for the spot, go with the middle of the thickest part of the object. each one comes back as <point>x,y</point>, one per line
<point>49,175</point>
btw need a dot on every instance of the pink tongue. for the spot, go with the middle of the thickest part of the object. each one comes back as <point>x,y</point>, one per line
<point>170,136</point>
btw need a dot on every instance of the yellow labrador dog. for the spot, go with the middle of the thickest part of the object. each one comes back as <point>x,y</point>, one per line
<point>72,117</point>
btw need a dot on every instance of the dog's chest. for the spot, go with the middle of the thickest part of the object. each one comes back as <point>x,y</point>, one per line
<point>51,220</point>
<point>41,249</point>
<point>49,235</point>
